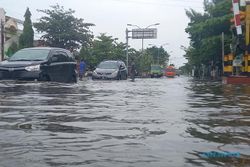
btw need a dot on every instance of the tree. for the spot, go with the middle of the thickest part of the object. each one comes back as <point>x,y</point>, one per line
<point>144,62</point>
<point>104,47</point>
<point>205,30</point>
<point>62,29</point>
<point>160,55</point>
<point>12,49</point>
<point>27,37</point>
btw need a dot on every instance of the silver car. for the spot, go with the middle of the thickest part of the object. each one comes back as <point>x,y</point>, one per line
<point>111,69</point>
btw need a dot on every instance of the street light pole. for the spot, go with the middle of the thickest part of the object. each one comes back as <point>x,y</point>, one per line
<point>142,42</point>
<point>127,45</point>
<point>158,55</point>
<point>170,58</point>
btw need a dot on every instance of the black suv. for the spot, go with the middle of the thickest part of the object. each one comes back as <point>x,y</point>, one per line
<point>41,63</point>
<point>110,69</point>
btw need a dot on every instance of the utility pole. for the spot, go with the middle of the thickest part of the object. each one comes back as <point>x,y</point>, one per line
<point>127,45</point>
<point>158,55</point>
<point>223,51</point>
<point>2,41</point>
<point>142,42</point>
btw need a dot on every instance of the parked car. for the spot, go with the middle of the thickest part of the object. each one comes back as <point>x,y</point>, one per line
<point>41,63</point>
<point>111,69</point>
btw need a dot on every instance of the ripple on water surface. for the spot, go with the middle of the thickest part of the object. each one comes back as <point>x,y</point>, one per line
<point>150,122</point>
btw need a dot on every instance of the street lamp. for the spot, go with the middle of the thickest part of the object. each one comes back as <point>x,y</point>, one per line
<point>158,47</point>
<point>134,25</point>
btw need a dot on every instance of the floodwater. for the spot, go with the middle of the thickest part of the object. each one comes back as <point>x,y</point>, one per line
<point>147,123</point>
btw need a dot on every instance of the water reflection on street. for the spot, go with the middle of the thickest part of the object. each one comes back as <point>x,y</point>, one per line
<point>150,122</point>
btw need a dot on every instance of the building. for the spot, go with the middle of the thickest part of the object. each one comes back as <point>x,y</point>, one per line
<point>10,32</point>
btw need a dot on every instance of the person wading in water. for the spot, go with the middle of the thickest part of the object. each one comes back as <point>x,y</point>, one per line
<point>133,72</point>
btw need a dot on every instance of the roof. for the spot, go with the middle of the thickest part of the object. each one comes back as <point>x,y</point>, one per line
<point>15,19</point>
<point>170,66</point>
<point>44,48</point>
<point>116,61</point>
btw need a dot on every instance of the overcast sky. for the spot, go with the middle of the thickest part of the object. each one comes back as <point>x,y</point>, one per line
<point>112,17</point>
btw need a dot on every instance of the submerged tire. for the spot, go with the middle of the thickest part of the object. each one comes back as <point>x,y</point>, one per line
<point>119,77</point>
<point>44,77</point>
<point>73,79</point>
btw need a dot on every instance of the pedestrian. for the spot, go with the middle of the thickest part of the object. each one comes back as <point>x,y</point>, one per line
<point>78,66</point>
<point>82,67</point>
<point>133,72</point>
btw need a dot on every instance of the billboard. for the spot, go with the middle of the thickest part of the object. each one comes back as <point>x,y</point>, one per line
<point>144,33</point>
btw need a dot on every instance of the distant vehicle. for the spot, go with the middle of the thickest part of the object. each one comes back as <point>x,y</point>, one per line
<point>156,71</point>
<point>170,71</point>
<point>41,63</point>
<point>111,69</point>
<point>178,72</point>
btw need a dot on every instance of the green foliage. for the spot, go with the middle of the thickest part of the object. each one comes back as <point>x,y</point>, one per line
<point>12,49</point>
<point>159,55</point>
<point>62,29</point>
<point>205,31</point>
<point>27,37</point>
<point>144,62</point>
<point>186,69</point>
<point>103,48</point>
<point>106,47</point>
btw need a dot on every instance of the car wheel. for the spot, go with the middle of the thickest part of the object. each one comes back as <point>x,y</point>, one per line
<point>73,79</point>
<point>119,77</point>
<point>44,77</point>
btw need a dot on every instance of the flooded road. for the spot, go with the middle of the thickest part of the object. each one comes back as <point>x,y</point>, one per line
<point>147,123</point>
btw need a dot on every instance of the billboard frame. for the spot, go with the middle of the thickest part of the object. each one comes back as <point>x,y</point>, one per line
<point>144,33</point>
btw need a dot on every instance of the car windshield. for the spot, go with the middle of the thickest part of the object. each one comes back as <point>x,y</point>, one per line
<point>108,65</point>
<point>155,68</point>
<point>30,55</point>
<point>170,70</point>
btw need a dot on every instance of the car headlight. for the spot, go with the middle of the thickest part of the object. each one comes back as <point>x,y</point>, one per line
<point>114,73</point>
<point>33,68</point>
<point>94,73</point>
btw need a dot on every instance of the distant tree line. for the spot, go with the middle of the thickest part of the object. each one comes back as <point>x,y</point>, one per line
<point>60,28</point>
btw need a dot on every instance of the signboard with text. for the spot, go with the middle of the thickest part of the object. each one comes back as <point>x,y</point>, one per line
<point>144,33</point>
